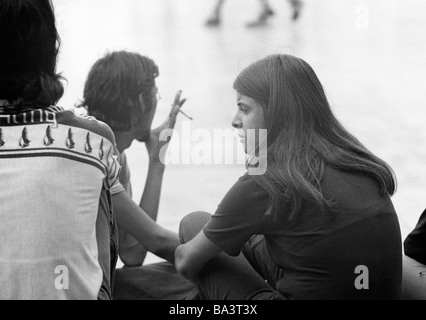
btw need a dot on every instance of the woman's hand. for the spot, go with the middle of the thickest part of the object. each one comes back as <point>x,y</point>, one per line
<point>153,144</point>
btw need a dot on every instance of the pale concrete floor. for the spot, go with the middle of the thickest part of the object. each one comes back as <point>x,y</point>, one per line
<point>369,54</point>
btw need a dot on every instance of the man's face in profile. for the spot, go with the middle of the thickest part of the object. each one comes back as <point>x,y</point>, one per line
<point>142,129</point>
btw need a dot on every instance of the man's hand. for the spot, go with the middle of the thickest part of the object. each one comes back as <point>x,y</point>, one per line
<point>153,144</point>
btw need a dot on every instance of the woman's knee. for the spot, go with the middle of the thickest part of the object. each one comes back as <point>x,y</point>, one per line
<point>192,224</point>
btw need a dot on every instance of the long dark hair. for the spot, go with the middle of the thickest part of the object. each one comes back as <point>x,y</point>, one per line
<point>113,86</point>
<point>29,47</point>
<point>304,136</point>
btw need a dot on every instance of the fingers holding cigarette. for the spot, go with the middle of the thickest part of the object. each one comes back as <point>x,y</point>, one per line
<point>177,104</point>
<point>184,114</point>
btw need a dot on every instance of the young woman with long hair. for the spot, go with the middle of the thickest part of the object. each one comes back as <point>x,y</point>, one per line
<point>318,224</point>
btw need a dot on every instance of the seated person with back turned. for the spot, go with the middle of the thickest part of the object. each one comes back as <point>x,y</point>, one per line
<point>121,91</point>
<point>55,242</point>
<point>414,284</point>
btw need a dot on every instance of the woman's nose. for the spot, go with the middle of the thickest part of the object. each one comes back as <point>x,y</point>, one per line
<point>236,122</point>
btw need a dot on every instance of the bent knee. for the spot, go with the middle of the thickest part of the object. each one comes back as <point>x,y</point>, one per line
<point>192,224</point>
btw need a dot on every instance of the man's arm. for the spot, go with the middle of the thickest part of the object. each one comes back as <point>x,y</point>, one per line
<point>132,253</point>
<point>151,196</point>
<point>139,225</point>
<point>150,199</point>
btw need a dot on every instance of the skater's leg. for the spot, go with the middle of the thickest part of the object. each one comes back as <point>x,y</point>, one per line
<point>265,13</point>
<point>297,8</point>
<point>215,18</point>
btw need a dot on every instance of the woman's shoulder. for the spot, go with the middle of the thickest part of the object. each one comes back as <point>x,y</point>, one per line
<point>246,184</point>
<point>245,193</point>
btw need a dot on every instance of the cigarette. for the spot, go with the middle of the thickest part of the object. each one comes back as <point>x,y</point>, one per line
<point>190,118</point>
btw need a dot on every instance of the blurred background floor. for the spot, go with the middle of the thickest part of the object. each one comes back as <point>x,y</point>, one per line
<point>369,55</point>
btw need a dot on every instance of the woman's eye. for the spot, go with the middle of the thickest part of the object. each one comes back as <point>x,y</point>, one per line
<point>243,110</point>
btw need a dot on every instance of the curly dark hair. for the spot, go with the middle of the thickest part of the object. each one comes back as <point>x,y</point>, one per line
<point>29,48</point>
<point>113,87</point>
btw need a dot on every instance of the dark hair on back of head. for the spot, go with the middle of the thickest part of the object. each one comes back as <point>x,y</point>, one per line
<point>113,87</point>
<point>29,48</point>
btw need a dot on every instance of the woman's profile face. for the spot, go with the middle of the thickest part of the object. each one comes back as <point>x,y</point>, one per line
<point>249,119</point>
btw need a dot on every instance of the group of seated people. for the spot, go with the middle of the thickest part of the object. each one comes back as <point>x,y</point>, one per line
<point>299,227</point>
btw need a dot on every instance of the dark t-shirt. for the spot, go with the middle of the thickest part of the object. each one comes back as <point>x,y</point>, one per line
<point>319,252</point>
<point>415,244</point>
